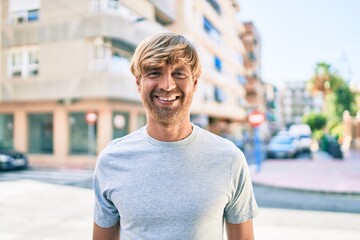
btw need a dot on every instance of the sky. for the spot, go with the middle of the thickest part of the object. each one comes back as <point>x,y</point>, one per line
<point>297,34</point>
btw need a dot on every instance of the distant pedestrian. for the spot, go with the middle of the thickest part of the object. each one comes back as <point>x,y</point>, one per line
<point>171,179</point>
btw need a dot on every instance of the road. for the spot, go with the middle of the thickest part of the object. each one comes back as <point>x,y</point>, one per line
<point>79,178</point>
<point>51,208</point>
<point>288,199</point>
<point>266,196</point>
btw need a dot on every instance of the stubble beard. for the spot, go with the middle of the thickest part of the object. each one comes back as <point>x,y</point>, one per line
<point>167,116</point>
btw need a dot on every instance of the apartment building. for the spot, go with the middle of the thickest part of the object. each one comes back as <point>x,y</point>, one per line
<point>297,101</point>
<point>65,86</point>
<point>254,86</point>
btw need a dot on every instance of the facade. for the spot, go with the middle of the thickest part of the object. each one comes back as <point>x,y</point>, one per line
<point>254,86</point>
<point>65,86</point>
<point>273,113</point>
<point>297,101</point>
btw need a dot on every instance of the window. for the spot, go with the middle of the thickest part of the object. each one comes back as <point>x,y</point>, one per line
<point>113,4</point>
<point>120,124</point>
<point>16,64</point>
<point>33,15</point>
<point>7,128</point>
<point>21,11</point>
<point>33,67</point>
<point>217,64</point>
<point>219,95</point>
<point>241,79</point>
<point>23,63</point>
<point>215,5</point>
<point>40,136</point>
<point>82,134</point>
<point>251,56</point>
<point>211,30</point>
<point>110,56</point>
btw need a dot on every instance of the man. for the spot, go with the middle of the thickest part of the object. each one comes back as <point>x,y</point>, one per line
<point>171,179</point>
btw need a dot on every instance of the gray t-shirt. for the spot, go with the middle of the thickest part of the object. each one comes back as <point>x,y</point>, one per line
<point>172,190</point>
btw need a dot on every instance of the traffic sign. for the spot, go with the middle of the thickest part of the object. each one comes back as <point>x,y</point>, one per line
<point>256,118</point>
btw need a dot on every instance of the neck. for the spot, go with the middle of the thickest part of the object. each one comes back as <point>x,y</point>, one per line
<point>169,133</point>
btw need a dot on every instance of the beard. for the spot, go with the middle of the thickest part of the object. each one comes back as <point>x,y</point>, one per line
<point>168,115</point>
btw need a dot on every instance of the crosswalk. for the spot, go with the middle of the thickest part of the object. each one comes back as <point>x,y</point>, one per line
<point>80,178</point>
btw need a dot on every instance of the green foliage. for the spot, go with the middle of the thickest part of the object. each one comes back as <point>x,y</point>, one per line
<point>325,79</point>
<point>318,134</point>
<point>316,121</point>
<point>337,98</point>
<point>337,130</point>
<point>344,100</point>
<point>330,112</point>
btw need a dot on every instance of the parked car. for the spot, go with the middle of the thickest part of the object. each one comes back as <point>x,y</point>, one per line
<point>303,133</point>
<point>11,159</point>
<point>305,142</point>
<point>282,146</point>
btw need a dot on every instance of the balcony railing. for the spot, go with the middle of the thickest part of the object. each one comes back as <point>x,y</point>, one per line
<point>113,7</point>
<point>24,16</point>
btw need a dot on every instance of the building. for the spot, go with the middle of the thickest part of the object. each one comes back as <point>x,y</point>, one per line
<point>254,86</point>
<point>297,101</point>
<point>65,86</point>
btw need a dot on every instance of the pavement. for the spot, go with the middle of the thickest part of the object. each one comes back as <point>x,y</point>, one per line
<point>36,210</point>
<point>322,173</point>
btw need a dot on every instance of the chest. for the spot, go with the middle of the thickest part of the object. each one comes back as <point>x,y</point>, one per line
<point>187,192</point>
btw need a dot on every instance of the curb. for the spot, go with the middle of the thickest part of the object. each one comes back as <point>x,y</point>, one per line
<point>313,191</point>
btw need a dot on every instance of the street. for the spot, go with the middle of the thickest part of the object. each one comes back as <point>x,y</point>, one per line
<point>287,199</point>
<point>80,178</point>
<point>57,205</point>
<point>266,196</point>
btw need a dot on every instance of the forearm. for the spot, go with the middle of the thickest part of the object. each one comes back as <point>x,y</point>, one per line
<point>241,231</point>
<point>111,233</point>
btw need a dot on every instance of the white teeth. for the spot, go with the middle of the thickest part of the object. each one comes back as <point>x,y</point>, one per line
<point>167,99</point>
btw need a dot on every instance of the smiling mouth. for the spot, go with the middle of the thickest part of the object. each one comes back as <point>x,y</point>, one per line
<point>167,99</point>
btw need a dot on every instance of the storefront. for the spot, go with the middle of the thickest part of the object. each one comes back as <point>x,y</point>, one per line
<point>55,134</point>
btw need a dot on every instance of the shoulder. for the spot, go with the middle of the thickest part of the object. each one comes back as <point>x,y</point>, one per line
<point>130,139</point>
<point>121,146</point>
<point>218,146</point>
<point>212,139</point>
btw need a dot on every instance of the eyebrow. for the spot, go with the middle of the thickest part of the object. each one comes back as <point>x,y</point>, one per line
<point>181,68</point>
<point>151,68</point>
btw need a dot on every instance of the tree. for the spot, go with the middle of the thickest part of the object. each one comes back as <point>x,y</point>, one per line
<point>316,121</point>
<point>344,100</point>
<point>325,81</point>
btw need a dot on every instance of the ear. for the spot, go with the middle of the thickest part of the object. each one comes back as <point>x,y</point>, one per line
<point>195,84</point>
<point>138,84</point>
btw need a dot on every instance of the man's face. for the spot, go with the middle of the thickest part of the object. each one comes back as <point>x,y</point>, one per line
<point>166,92</point>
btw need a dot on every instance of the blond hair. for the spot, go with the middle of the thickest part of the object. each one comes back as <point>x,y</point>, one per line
<point>162,49</point>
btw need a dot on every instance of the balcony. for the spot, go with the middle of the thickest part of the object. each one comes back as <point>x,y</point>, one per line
<point>24,16</point>
<point>165,10</point>
<point>92,85</point>
<point>118,26</point>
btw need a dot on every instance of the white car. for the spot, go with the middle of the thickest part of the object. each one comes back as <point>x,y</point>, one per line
<point>303,133</point>
<point>305,143</point>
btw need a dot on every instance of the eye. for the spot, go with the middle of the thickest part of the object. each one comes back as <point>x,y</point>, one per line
<point>179,74</point>
<point>153,74</point>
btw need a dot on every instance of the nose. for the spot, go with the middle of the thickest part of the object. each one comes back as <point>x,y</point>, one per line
<point>167,82</point>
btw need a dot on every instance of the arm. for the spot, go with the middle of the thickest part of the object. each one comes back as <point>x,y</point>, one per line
<point>241,231</point>
<point>111,233</point>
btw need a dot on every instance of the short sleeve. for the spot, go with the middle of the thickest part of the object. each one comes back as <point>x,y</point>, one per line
<point>105,213</point>
<point>242,205</point>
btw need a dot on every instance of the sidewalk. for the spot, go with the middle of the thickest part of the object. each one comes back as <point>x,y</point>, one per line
<point>322,173</point>
<point>35,210</point>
